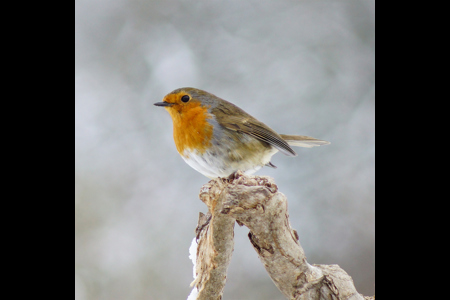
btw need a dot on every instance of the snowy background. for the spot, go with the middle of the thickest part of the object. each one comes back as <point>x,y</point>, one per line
<point>302,67</point>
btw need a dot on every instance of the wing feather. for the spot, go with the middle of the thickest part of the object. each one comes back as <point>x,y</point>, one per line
<point>234,118</point>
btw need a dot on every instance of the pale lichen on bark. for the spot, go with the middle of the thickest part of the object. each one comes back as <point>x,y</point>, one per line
<point>254,201</point>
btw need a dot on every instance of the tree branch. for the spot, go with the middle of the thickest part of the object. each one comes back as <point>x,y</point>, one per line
<point>254,201</point>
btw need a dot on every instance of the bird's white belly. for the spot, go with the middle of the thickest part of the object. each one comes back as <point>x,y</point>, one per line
<point>214,165</point>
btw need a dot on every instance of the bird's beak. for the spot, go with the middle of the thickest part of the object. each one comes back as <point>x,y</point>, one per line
<point>163,104</point>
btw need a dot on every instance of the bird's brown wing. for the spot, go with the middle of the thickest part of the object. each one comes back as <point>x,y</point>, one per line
<point>232,117</point>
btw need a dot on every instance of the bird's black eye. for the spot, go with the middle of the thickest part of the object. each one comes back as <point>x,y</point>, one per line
<point>185,98</point>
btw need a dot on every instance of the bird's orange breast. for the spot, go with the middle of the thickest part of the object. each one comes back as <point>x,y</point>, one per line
<point>191,130</point>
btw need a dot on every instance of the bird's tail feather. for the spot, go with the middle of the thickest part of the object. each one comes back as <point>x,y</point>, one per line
<point>303,141</point>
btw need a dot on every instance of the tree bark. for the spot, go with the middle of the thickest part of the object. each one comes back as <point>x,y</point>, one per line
<point>254,201</point>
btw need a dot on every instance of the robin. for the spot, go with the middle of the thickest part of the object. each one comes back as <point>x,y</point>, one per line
<point>217,138</point>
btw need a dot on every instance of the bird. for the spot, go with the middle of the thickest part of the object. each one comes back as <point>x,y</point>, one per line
<point>217,138</point>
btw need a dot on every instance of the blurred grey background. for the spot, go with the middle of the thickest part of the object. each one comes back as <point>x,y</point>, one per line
<point>301,67</point>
